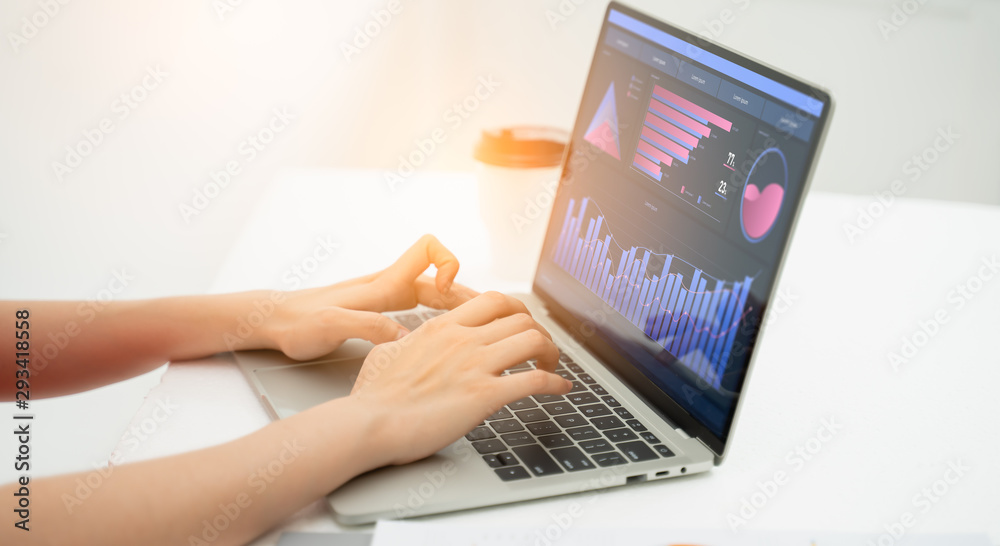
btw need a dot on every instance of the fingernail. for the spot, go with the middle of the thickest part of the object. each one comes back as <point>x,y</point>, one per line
<point>401,334</point>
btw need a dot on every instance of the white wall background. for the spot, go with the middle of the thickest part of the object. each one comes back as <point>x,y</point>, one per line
<point>225,75</point>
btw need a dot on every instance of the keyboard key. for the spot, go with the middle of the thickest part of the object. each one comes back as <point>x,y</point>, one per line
<point>489,446</point>
<point>531,415</point>
<point>636,425</point>
<point>596,446</point>
<point>565,374</point>
<point>603,423</point>
<point>559,408</point>
<point>563,357</point>
<point>578,387</point>
<point>611,401</point>
<point>570,421</point>
<point>598,390</point>
<point>493,461</point>
<point>573,459</point>
<point>583,433</point>
<point>555,440</point>
<point>663,450</point>
<point>506,459</point>
<point>522,366</point>
<point>575,368</point>
<point>649,437</point>
<point>543,427</point>
<point>429,313</point>
<point>545,398</point>
<point>507,425</point>
<point>480,433</point>
<point>517,438</point>
<point>523,403</point>
<point>519,370</point>
<point>410,320</point>
<point>537,460</point>
<point>609,459</point>
<point>582,398</point>
<point>501,413</point>
<point>594,410</point>
<point>624,413</point>
<point>637,451</point>
<point>619,435</point>
<point>511,473</point>
<point>585,377</point>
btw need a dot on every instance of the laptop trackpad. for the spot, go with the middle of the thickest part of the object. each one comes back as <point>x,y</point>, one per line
<point>298,387</point>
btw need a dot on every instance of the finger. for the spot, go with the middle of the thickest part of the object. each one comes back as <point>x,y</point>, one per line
<point>520,347</point>
<point>366,325</point>
<point>505,327</point>
<point>485,308</point>
<point>519,385</point>
<point>429,295</point>
<point>425,252</point>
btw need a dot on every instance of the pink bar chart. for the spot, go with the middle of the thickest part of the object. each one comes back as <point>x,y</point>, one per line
<point>672,128</point>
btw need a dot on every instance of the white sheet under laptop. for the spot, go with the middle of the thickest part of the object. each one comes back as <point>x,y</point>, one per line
<point>679,193</point>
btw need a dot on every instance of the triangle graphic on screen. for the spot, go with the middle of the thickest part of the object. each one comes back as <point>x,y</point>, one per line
<point>603,129</point>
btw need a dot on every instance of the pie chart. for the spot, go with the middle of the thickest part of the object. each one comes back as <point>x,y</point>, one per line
<point>763,194</point>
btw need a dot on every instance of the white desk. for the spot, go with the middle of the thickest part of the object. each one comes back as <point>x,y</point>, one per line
<point>824,357</point>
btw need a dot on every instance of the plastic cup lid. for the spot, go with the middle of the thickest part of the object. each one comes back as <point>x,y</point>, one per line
<point>522,147</point>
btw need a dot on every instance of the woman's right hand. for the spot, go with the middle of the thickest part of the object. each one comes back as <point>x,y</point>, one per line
<point>437,383</point>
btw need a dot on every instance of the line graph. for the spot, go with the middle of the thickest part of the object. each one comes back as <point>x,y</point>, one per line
<point>689,313</point>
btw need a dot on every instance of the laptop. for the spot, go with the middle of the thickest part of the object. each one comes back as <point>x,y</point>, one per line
<point>680,188</point>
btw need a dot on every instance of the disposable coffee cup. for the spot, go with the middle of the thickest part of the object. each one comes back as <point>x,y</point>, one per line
<point>518,173</point>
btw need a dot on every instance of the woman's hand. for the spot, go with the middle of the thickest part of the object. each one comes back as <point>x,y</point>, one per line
<point>313,322</point>
<point>436,384</point>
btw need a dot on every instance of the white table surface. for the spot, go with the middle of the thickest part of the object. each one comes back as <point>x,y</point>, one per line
<point>824,357</point>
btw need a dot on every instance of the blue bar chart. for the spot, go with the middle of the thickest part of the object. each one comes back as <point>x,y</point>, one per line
<point>695,318</point>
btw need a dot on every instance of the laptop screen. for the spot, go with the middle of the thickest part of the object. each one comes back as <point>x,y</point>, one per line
<point>680,188</point>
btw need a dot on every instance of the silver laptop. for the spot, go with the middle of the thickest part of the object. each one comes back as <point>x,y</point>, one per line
<point>680,189</point>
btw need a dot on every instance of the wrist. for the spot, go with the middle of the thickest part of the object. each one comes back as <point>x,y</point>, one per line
<point>377,446</point>
<point>252,319</point>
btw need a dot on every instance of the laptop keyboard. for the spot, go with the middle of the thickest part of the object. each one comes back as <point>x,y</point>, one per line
<point>545,434</point>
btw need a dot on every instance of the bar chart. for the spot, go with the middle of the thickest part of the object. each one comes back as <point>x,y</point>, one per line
<point>672,128</point>
<point>695,318</point>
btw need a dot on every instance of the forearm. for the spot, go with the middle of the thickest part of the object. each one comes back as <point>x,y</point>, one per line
<point>237,490</point>
<point>74,348</point>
